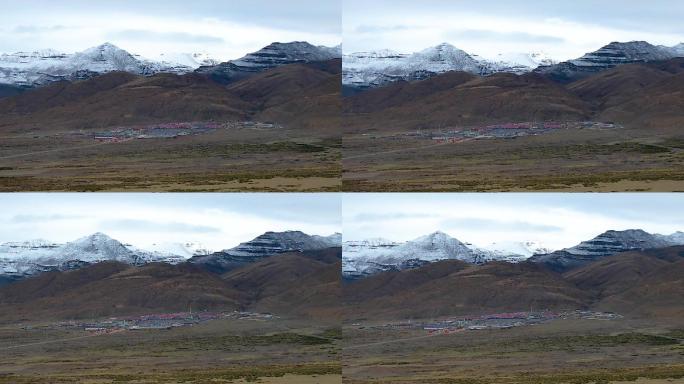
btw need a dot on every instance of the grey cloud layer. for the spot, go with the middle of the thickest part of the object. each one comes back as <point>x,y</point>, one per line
<point>178,37</point>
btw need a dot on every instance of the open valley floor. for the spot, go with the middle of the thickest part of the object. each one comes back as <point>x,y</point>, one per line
<point>224,350</point>
<point>561,160</point>
<point>584,351</point>
<point>233,158</point>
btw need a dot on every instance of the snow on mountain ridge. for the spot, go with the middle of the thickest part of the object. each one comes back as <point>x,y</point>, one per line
<point>278,53</point>
<point>367,257</point>
<point>606,244</point>
<point>377,68</point>
<point>372,69</point>
<point>279,242</point>
<point>47,66</point>
<point>522,248</point>
<point>190,60</point>
<point>25,259</point>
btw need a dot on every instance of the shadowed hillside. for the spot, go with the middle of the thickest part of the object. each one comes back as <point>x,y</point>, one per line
<point>644,93</point>
<point>453,287</point>
<point>646,283</point>
<point>287,94</point>
<point>302,285</point>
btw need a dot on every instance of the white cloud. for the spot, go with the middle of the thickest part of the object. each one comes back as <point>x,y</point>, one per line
<point>144,219</point>
<point>561,34</point>
<point>557,220</point>
<point>30,28</point>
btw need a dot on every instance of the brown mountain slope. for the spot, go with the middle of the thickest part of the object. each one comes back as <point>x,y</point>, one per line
<point>297,94</point>
<point>497,98</point>
<point>399,93</point>
<point>637,283</point>
<point>305,95</point>
<point>612,87</point>
<point>305,284</point>
<point>615,274</point>
<point>121,99</point>
<point>657,105</point>
<point>64,92</point>
<point>111,288</point>
<point>299,283</point>
<point>637,95</point>
<point>658,294</point>
<point>468,290</point>
<point>647,94</point>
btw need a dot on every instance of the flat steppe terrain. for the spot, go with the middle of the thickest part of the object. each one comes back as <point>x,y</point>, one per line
<point>563,351</point>
<point>224,160</point>
<point>220,351</point>
<point>568,160</point>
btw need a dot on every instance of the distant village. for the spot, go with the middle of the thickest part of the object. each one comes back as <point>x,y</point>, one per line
<point>494,321</point>
<point>176,129</point>
<point>161,321</point>
<point>507,130</point>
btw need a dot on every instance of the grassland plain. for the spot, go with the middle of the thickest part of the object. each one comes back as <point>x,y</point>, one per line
<point>222,351</point>
<point>620,160</point>
<point>219,161</point>
<point>569,351</point>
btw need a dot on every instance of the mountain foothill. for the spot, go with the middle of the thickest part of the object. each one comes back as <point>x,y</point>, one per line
<point>97,276</point>
<point>288,83</point>
<point>630,272</point>
<point>632,83</point>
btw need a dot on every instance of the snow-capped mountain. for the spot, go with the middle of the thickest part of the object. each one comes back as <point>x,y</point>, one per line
<point>186,60</point>
<point>186,250</point>
<point>518,63</point>
<point>518,250</point>
<point>364,70</point>
<point>271,56</point>
<point>610,56</point>
<point>277,54</point>
<point>265,245</point>
<point>678,50</point>
<point>31,69</point>
<point>373,69</point>
<point>368,257</point>
<point>24,259</point>
<point>19,260</point>
<point>675,238</point>
<point>335,240</point>
<point>606,244</point>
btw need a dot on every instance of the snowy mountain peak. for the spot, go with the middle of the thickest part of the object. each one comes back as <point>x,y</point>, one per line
<point>107,57</point>
<point>335,239</point>
<point>443,50</point>
<point>372,69</point>
<point>266,245</point>
<point>24,259</point>
<point>678,49</point>
<point>277,53</point>
<point>523,249</point>
<point>189,60</point>
<point>445,55</point>
<point>367,257</point>
<point>48,66</point>
<point>271,56</point>
<point>606,244</point>
<point>437,237</point>
<point>607,57</point>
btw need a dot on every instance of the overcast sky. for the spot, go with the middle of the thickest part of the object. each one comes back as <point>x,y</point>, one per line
<point>217,221</point>
<point>563,29</point>
<point>556,220</point>
<point>227,29</point>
